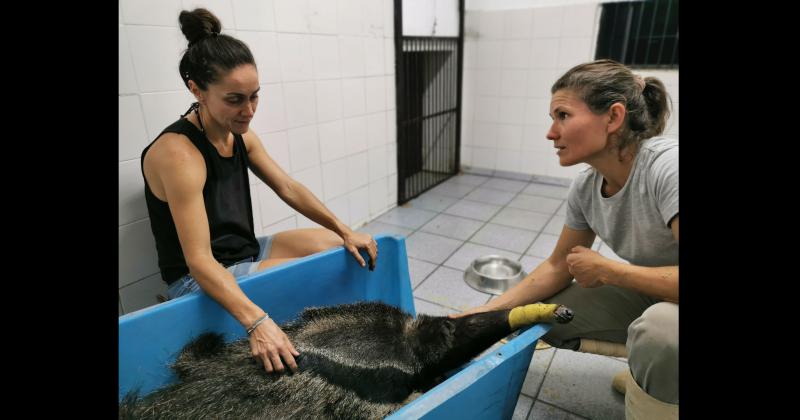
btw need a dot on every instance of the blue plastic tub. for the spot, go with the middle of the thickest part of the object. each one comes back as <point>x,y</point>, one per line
<point>150,339</point>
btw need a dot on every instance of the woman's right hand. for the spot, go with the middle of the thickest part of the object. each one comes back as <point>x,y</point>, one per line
<point>269,344</point>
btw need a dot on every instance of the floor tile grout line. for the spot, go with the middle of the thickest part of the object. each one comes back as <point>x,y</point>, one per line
<point>437,304</point>
<point>439,265</point>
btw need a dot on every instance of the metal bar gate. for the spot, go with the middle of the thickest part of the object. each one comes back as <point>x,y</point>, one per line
<point>428,80</point>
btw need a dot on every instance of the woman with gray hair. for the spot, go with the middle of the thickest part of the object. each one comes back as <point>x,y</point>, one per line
<point>611,119</point>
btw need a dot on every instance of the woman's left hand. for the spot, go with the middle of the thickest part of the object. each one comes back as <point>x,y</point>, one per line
<point>589,268</point>
<point>353,241</point>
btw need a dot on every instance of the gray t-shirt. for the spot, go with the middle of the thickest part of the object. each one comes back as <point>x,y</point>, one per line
<point>633,222</point>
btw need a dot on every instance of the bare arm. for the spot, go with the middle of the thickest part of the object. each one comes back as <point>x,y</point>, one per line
<point>660,282</point>
<point>591,269</point>
<point>182,175</point>
<point>301,199</point>
<point>547,279</point>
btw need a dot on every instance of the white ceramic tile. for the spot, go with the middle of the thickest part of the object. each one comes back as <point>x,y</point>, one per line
<point>353,97</point>
<point>301,106</point>
<point>391,158</point>
<point>340,207</point>
<point>518,24</point>
<point>331,140</point>
<point>490,54</point>
<point>485,134</point>
<point>388,18</point>
<point>388,56</point>
<point>127,77</point>
<point>359,206</point>
<point>132,133</point>
<point>291,15</point>
<point>137,252</point>
<point>163,109</point>
<point>375,94</point>
<point>311,178</point>
<point>273,209</point>
<point>483,157</point>
<point>537,111</point>
<point>547,22</point>
<point>391,126</point>
<point>132,206</point>
<point>142,294</point>
<point>350,17</point>
<point>544,54</point>
<point>514,83</point>
<point>516,53</point>
<point>373,59</point>
<point>271,114</point>
<point>377,163</point>
<point>539,83</point>
<point>357,171</point>
<point>579,20</point>
<point>373,18</point>
<point>392,190</point>
<point>329,100</point>
<point>508,160</point>
<point>352,56</point>
<point>322,16</point>
<point>156,54</point>
<point>377,197</point>
<point>151,12</point>
<point>258,15</point>
<point>376,129</point>
<point>355,134</point>
<point>489,81</point>
<point>487,108</point>
<point>509,136</point>
<point>264,46</point>
<point>303,147</point>
<point>490,25</point>
<point>296,60</point>
<point>334,178</point>
<point>326,57</point>
<point>466,155</point>
<point>277,146</point>
<point>512,111</point>
<point>284,225</point>
<point>573,51</point>
<point>391,90</point>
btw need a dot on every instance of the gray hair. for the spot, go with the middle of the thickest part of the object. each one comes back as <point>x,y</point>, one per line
<point>603,83</point>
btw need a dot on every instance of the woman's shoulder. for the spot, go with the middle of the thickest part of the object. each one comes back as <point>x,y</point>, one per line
<point>173,146</point>
<point>660,155</point>
<point>656,146</point>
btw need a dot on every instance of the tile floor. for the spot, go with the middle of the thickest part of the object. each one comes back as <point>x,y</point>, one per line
<point>472,215</point>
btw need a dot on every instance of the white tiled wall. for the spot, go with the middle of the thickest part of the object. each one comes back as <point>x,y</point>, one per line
<point>326,113</point>
<point>511,59</point>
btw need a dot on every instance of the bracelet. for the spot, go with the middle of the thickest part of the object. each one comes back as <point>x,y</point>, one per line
<point>255,324</point>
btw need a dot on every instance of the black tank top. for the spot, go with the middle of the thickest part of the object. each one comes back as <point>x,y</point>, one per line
<point>227,200</point>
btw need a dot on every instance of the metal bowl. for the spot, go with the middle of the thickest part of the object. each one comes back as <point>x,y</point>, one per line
<point>493,274</point>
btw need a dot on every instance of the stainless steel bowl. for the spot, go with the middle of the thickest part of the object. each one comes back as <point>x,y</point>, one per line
<point>493,274</point>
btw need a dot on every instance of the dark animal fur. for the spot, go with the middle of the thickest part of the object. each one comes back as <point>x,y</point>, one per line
<point>356,361</point>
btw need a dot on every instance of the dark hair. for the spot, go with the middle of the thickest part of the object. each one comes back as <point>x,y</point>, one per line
<point>603,83</point>
<point>210,54</point>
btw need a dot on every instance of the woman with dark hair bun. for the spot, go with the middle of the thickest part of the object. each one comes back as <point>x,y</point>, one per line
<point>198,192</point>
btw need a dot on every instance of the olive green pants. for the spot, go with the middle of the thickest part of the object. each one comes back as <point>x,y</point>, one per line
<point>647,326</point>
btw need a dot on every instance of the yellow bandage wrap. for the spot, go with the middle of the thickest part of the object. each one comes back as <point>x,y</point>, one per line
<point>529,314</point>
